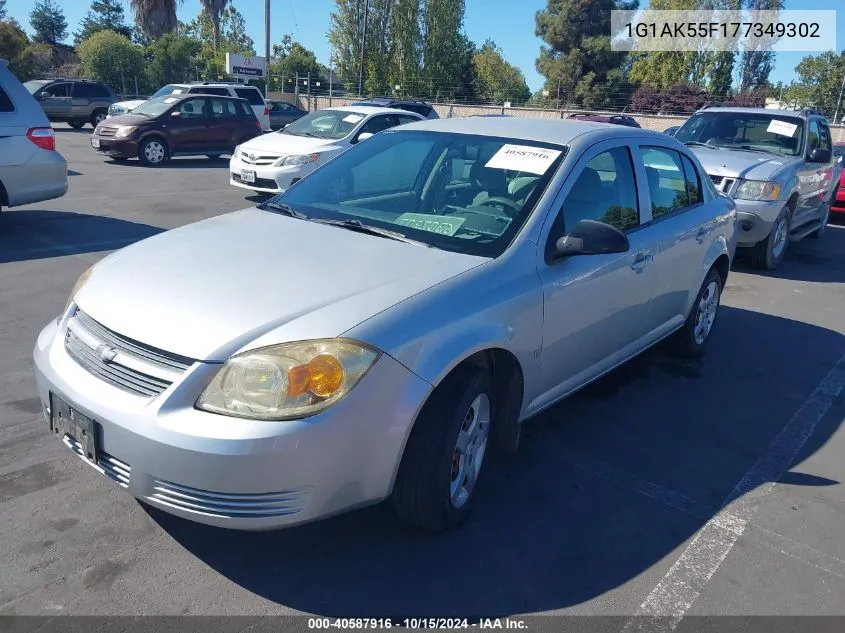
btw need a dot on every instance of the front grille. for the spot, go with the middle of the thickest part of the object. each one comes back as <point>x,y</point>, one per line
<point>120,361</point>
<point>258,159</point>
<point>227,505</point>
<point>111,467</point>
<point>722,183</point>
<point>260,183</point>
<point>106,131</point>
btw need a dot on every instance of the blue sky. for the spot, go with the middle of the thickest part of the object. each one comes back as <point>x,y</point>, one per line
<point>509,22</point>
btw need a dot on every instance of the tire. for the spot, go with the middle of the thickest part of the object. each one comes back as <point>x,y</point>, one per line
<point>97,117</point>
<point>153,152</point>
<point>819,232</point>
<point>768,254</point>
<point>691,339</point>
<point>76,125</point>
<point>428,492</point>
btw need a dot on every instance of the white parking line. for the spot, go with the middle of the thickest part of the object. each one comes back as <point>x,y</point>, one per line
<point>673,596</point>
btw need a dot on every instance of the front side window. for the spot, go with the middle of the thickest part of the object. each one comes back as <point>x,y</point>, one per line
<point>771,133</point>
<point>667,183</point>
<point>813,137</point>
<point>825,142</point>
<point>192,108</point>
<point>58,90</point>
<point>330,124</point>
<point>605,191</point>
<point>403,181</point>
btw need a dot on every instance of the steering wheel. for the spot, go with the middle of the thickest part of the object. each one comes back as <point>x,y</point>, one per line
<point>503,201</point>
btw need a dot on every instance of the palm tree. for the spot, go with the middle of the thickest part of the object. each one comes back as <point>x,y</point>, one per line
<point>157,17</point>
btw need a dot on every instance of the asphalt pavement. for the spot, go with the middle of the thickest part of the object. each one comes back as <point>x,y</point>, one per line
<point>614,505</point>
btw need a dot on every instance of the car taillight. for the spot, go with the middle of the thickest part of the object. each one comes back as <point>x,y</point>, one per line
<point>266,111</point>
<point>43,137</point>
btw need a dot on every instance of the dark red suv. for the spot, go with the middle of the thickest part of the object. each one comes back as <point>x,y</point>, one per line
<point>616,119</point>
<point>177,125</point>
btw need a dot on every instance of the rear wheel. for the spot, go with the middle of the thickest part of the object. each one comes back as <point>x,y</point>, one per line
<point>445,452</point>
<point>153,152</point>
<point>690,340</point>
<point>769,253</point>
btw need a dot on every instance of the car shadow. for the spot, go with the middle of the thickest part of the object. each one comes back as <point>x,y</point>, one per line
<point>560,523</point>
<point>178,162</point>
<point>811,260</point>
<point>35,234</point>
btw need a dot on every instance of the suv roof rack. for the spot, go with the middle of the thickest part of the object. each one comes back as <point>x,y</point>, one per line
<point>215,83</point>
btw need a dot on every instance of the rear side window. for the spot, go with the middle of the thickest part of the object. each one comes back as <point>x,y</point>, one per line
<point>221,92</point>
<point>422,110</point>
<point>404,118</point>
<point>667,183</point>
<point>6,104</point>
<point>223,108</point>
<point>250,94</point>
<point>90,91</point>
<point>693,181</point>
<point>246,110</point>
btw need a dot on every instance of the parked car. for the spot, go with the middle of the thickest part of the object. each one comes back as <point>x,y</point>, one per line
<point>422,108</point>
<point>73,101</point>
<point>378,328</point>
<point>777,165</point>
<point>837,205</point>
<point>223,89</point>
<point>671,130</point>
<point>616,119</point>
<point>177,125</point>
<point>282,113</point>
<point>274,162</point>
<point>31,170</point>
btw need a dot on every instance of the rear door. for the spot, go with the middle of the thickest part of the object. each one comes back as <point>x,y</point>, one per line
<point>57,101</point>
<point>188,131</point>
<point>223,131</point>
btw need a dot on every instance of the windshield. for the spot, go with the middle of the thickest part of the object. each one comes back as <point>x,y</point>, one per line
<point>456,192</point>
<point>167,90</point>
<point>34,86</point>
<point>332,124</point>
<point>155,107</point>
<point>739,130</point>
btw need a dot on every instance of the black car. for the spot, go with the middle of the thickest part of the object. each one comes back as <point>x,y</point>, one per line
<point>282,113</point>
<point>73,101</point>
<point>616,119</point>
<point>411,105</point>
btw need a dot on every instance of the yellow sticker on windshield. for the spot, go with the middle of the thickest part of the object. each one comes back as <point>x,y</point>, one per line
<point>442,224</point>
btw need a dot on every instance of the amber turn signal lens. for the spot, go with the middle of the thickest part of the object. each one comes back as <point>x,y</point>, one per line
<point>322,376</point>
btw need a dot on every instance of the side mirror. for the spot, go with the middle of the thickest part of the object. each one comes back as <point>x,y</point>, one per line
<point>175,115</point>
<point>363,136</point>
<point>43,96</point>
<point>590,237</point>
<point>819,155</point>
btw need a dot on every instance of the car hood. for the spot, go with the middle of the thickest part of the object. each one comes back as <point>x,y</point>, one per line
<point>127,119</point>
<point>734,163</point>
<point>130,105</point>
<point>209,289</point>
<point>287,144</point>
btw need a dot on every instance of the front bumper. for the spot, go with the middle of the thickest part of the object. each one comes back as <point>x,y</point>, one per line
<point>755,219</point>
<point>231,472</point>
<point>119,148</point>
<point>268,179</point>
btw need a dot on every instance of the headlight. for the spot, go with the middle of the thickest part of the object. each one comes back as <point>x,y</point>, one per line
<point>237,151</point>
<point>83,278</point>
<point>300,159</point>
<point>125,130</point>
<point>288,381</point>
<point>757,190</point>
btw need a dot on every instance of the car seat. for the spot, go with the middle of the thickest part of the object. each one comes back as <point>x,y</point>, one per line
<point>588,199</point>
<point>492,182</point>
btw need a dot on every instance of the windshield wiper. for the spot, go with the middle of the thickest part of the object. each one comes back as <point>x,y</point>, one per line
<point>358,227</point>
<point>749,148</point>
<point>284,209</point>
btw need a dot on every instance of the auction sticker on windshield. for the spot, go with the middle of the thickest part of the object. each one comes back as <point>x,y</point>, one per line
<point>534,160</point>
<point>442,224</point>
<point>171,100</point>
<point>353,118</point>
<point>782,127</point>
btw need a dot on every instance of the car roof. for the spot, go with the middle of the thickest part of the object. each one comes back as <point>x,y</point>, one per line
<point>801,114</point>
<point>193,95</point>
<point>368,110</point>
<point>560,131</point>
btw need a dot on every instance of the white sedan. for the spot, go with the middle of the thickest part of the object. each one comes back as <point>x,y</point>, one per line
<point>273,162</point>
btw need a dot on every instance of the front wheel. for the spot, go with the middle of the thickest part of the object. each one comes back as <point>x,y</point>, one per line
<point>153,152</point>
<point>445,452</point>
<point>769,253</point>
<point>97,117</point>
<point>690,340</point>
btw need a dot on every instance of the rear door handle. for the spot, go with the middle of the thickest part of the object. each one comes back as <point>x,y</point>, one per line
<point>641,260</point>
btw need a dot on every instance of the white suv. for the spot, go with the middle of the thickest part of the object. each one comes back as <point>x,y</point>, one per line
<point>250,93</point>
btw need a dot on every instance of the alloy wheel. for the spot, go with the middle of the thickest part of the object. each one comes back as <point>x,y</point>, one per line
<point>469,450</point>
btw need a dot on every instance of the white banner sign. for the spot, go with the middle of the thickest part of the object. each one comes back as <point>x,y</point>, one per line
<point>241,66</point>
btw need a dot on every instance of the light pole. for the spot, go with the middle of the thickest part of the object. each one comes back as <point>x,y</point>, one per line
<point>266,49</point>
<point>363,46</point>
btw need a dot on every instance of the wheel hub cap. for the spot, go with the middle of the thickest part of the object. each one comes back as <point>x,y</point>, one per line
<point>708,304</point>
<point>779,238</point>
<point>469,450</point>
<point>154,152</point>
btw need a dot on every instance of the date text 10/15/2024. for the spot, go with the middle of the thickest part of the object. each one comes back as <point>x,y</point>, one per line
<point>416,623</point>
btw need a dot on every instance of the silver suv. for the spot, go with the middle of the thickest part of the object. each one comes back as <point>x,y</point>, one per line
<point>31,170</point>
<point>73,101</point>
<point>778,166</point>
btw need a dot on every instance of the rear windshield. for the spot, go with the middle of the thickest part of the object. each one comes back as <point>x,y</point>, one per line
<point>250,94</point>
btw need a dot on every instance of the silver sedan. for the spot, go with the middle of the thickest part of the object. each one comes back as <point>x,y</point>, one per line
<point>374,331</point>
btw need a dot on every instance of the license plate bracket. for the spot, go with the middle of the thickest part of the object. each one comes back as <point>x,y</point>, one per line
<point>95,143</point>
<point>65,420</point>
<point>247,175</point>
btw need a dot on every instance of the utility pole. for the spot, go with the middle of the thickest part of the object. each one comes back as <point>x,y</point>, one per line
<point>839,101</point>
<point>266,49</point>
<point>331,74</point>
<point>363,47</point>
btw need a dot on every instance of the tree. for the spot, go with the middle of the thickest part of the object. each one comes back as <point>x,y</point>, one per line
<point>3,11</point>
<point>48,21</point>
<point>172,58</point>
<point>155,17</point>
<point>496,80</point>
<point>576,59</point>
<point>291,58</point>
<point>756,65</point>
<point>110,57</point>
<point>26,60</point>
<point>443,46</point>
<point>346,28</point>
<point>405,46</point>
<point>819,82</point>
<point>720,73</point>
<point>232,38</point>
<point>103,15</point>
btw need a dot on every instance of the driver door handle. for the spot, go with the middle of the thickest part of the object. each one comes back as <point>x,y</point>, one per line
<point>641,260</point>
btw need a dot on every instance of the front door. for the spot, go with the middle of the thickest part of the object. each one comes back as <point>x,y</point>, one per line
<point>595,306</point>
<point>814,178</point>
<point>56,101</point>
<point>188,130</point>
